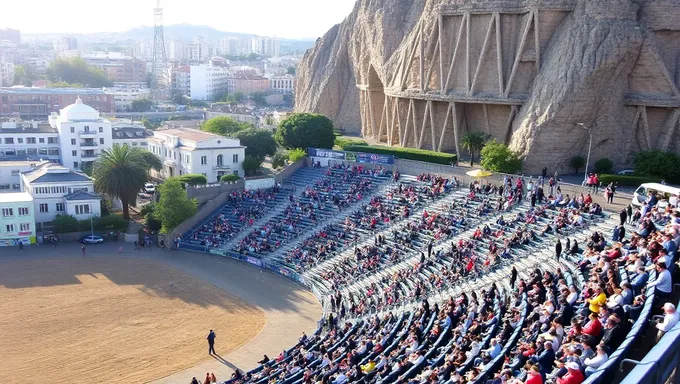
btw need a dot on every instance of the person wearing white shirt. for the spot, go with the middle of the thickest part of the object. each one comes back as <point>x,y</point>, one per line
<point>596,361</point>
<point>670,318</point>
<point>573,295</point>
<point>663,281</point>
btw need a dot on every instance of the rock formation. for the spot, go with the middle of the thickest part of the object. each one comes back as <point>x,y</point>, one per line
<point>422,73</point>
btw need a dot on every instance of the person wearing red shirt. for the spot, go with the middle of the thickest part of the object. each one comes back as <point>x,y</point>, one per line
<point>573,376</point>
<point>593,327</point>
<point>534,376</point>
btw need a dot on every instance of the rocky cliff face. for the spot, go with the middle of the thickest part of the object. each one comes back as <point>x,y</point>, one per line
<point>422,73</point>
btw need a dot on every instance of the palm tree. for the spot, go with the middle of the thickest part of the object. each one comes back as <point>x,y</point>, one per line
<point>474,142</point>
<point>121,172</point>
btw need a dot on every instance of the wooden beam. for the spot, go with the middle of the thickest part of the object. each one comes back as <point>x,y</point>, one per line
<point>499,52</point>
<point>645,128</point>
<point>456,127</point>
<point>508,125</point>
<point>404,74</point>
<point>455,52</point>
<point>422,57</point>
<point>415,122</point>
<point>431,68</point>
<point>519,54</point>
<point>441,52</point>
<point>446,123</point>
<point>467,55</point>
<point>537,41</point>
<point>422,128</point>
<point>396,101</point>
<point>665,73</point>
<point>471,90</point>
<point>636,126</point>
<point>432,123</point>
<point>371,113</point>
<point>671,125</point>
<point>404,138</point>
<point>486,118</point>
<point>383,119</point>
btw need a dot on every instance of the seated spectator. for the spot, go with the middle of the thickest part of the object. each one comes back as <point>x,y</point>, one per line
<point>592,364</point>
<point>670,318</point>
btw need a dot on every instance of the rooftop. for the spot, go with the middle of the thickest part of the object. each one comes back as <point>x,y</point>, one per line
<point>54,173</point>
<point>27,128</point>
<point>18,163</point>
<point>79,111</point>
<point>190,134</point>
<point>51,91</point>
<point>15,197</point>
<point>81,195</point>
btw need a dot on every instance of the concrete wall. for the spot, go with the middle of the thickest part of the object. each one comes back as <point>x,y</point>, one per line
<point>290,169</point>
<point>260,183</point>
<point>207,192</point>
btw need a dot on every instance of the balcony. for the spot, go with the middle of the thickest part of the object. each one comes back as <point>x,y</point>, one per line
<point>88,134</point>
<point>170,162</point>
<point>89,144</point>
<point>88,155</point>
<point>221,166</point>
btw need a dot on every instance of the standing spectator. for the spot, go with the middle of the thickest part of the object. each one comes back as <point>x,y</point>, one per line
<point>513,277</point>
<point>623,215</point>
<point>211,342</point>
<point>84,250</point>
<point>558,249</point>
<point>670,318</point>
<point>663,282</point>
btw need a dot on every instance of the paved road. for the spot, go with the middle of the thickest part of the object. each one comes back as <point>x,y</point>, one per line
<point>289,308</point>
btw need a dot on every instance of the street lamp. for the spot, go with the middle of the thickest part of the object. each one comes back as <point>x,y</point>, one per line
<point>590,146</point>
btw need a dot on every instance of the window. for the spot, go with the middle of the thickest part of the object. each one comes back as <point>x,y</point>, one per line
<point>101,129</point>
<point>204,174</point>
<point>44,208</point>
<point>25,227</point>
<point>235,158</point>
<point>219,160</point>
<point>41,140</point>
<point>101,140</point>
<point>73,129</point>
<point>204,160</point>
<point>75,165</point>
<point>9,228</point>
<point>23,211</point>
<point>7,212</point>
<point>20,140</point>
<point>74,153</point>
<point>236,173</point>
<point>30,140</point>
<point>15,172</point>
<point>51,140</point>
<point>82,209</point>
<point>73,141</point>
<point>9,140</point>
<point>60,207</point>
<point>87,128</point>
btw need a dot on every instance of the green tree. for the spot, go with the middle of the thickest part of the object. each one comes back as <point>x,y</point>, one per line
<point>76,70</point>
<point>279,160</point>
<point>23,75</point>
<point>290,71</point>
<point>64,223</point>
<point>296,154</point>
<point>259,98</point>
<point>228,178</point>
<point>251,165</point>
<point>224,125</point>
<point>604,165</point>
<point>302,130</point>
<point>577,162</point>
<point>141,105</point>
<point>151,161</point>
<point>121,172</point>
<point>174,206</point>
<point>664,165</point>
<point>474,142</point>
<point>498,157</point>
<point>259,143</point>
<point>234,98</point>
<point>193,179</point>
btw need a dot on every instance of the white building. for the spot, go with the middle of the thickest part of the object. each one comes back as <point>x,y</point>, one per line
<point>82,134</point>
<point>186,151</point>
<point>28,140</point>
<point>193,53</point>
<point>282,83</point>
<point>266,46</point>
<point>17,220</point>
<point>181,80</point>
<point>175,50</point>
<point>58,190</point>
<point>65,44</point>
<point>10,173</point>
<point>6,73</point>
<point>125,93</point>
<point>208,82</point>
<point>134,135</point>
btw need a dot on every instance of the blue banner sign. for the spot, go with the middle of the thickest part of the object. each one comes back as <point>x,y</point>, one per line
<point>359,157</point>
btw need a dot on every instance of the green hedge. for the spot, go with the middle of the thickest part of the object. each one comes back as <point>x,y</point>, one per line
<point>344,142</point>
<point>627,181</point>
<point>406,153</point>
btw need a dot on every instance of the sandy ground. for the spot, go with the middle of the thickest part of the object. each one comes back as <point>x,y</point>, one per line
<point>75,320</point>
<point>141,316</point>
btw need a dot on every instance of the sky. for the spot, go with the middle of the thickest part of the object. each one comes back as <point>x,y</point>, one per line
<point>282,18</point>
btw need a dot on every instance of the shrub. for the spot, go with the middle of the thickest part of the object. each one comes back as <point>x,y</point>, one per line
<point>342,142</point>
<point>193,179</point>
<point>146,209</point>
<point>406,153</point>
<point>296,154</point>
<point>627,181</point>
<point>64,223</point>
<point>279,160</point>
<point>498,157</point>
<point>229,178</point>
<point>251,165</point>
<point>658,164</point>
<point>303,130</point>
<point>110,222</point>
<point>152,224</point>
<point>604,166</point>
<point>577,162</point>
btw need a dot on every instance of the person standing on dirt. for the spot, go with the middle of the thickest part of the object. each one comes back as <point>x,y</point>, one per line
<point>84,249</point>
<point>211,342</point>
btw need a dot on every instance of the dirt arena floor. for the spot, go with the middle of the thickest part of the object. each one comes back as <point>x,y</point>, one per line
<point>111,320</point>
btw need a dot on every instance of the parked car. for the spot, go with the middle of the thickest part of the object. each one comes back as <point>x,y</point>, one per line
<point>150,188</point>
<point>92,239</point>
<point>626,172</point>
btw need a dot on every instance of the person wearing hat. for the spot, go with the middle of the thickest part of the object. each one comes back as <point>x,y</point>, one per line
<point>670,318</point>
<point>573,376</point>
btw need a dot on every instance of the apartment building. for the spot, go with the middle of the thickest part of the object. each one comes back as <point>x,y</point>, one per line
<point>28,140</point>
<point>181,80</point>
<point>282,83</point>
<point>208,82</point>
<point>125,93</point>
<point>134,135</point>
<point>32,103</point>
<point>10,173</point>
<point>185,151</point>
<point>17,219</point>
<point>250,84</point>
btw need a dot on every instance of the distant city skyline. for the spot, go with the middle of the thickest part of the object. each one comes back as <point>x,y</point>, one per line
<point>293,19</point>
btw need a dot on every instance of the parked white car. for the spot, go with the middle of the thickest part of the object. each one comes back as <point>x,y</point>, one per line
<point>150,188</point>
